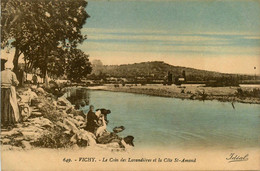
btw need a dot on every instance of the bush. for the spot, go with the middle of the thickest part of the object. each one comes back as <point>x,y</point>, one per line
<point>223,82</point>
<point>203,95</point>
<point>56,89</point>
<point>48,109</point>
<point>54,139</point>
<point>248,93</point>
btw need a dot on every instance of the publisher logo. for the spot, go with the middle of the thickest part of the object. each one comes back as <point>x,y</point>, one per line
<point>233,157</point>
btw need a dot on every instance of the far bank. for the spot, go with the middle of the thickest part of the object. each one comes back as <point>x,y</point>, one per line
<point>246,94</point>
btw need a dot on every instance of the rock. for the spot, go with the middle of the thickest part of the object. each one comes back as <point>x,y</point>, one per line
<point>82,124</point>
<point>50,95</point>
<point>76,112</point>
<point>69,110</point>
<point>40,105</point>
<point>75,147</point>
<point>63,125</point>
<point>17,148</point>
<point>71,126</point>
<point>30,128</point>
<point>108,137</point>
<point>19,125</point>
<point>118,129</point>
<point>19,138</point>
<point>40,90</point>
<point>74,139</point>
<point>26,145</point>
<point>74,121</point>
<point>80,113</point>
<point>5,141</point>
<point>61,108</point>
<point>87,136</point>
<point>29,93</point>
<point>35,102</point>
<point>13,132</point>
<point>79,118</point>
<point>34,109</point>
<point>6,147</point>
<point>34,87</point>
<point>44,122</point>
<point>113,145</point>
<point>25,124</point>
<point>67,132</point>
<point>33,95</point>
<point>129,140</point>
<point>25,99</point>
<point>37,125</point>
<point>54,103</point>
<point>31,135</point>
<point>62,101</point>
<point>64,114</point>
<point>125,145</point>
<point>70,115</point>
<point>9,147</point>
<point>36,114</point>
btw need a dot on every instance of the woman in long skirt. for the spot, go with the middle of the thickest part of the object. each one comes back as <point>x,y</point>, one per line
<point>9,113</point>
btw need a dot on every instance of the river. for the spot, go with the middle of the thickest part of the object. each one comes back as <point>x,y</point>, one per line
<point>160,122</point>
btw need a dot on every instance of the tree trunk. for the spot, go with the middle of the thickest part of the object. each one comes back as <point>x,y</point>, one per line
<point>15,60</point>
<point>46,79</point>
<point>25,70</point>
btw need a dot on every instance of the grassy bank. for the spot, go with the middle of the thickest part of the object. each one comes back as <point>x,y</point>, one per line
<point>229,94</point>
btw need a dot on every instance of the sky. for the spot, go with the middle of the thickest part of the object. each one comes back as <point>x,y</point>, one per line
<point>220,35</point>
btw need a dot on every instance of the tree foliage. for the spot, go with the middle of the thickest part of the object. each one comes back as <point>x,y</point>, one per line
<point>38,28</point>
<point>57,62</point>
<point>79,65</point>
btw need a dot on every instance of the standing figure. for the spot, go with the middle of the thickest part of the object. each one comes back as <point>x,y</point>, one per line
<point>34,79</point>
<point>20,76</point>
<point>9,107</point>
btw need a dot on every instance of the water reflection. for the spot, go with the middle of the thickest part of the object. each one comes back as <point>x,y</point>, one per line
<point>78,97</point>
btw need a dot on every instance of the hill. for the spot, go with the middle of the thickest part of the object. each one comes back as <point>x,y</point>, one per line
<point>158,70</point>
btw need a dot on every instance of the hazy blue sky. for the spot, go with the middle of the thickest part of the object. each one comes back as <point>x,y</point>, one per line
<point>215,35</point>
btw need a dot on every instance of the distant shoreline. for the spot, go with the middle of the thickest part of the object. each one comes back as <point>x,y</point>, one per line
<point>224,94</point>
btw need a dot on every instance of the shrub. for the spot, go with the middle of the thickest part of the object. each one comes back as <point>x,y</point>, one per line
<point>54,139</point>
<point>248,93</point>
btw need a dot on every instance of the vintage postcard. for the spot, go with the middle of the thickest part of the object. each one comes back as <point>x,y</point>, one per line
<point>130,85</point>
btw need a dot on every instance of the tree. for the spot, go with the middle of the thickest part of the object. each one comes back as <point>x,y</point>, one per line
<point>97,62</point>
<point>57,62</point>
<point>36,28</point>
<point>79,65</point>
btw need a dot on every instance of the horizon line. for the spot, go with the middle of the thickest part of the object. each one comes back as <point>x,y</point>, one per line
<point>177,66</point>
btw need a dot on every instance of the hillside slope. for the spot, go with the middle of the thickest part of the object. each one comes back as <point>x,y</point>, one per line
<point>157,70</point>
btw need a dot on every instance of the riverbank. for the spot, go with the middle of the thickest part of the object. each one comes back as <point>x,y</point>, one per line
<point>48,121</point>
<point>226,94</point>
